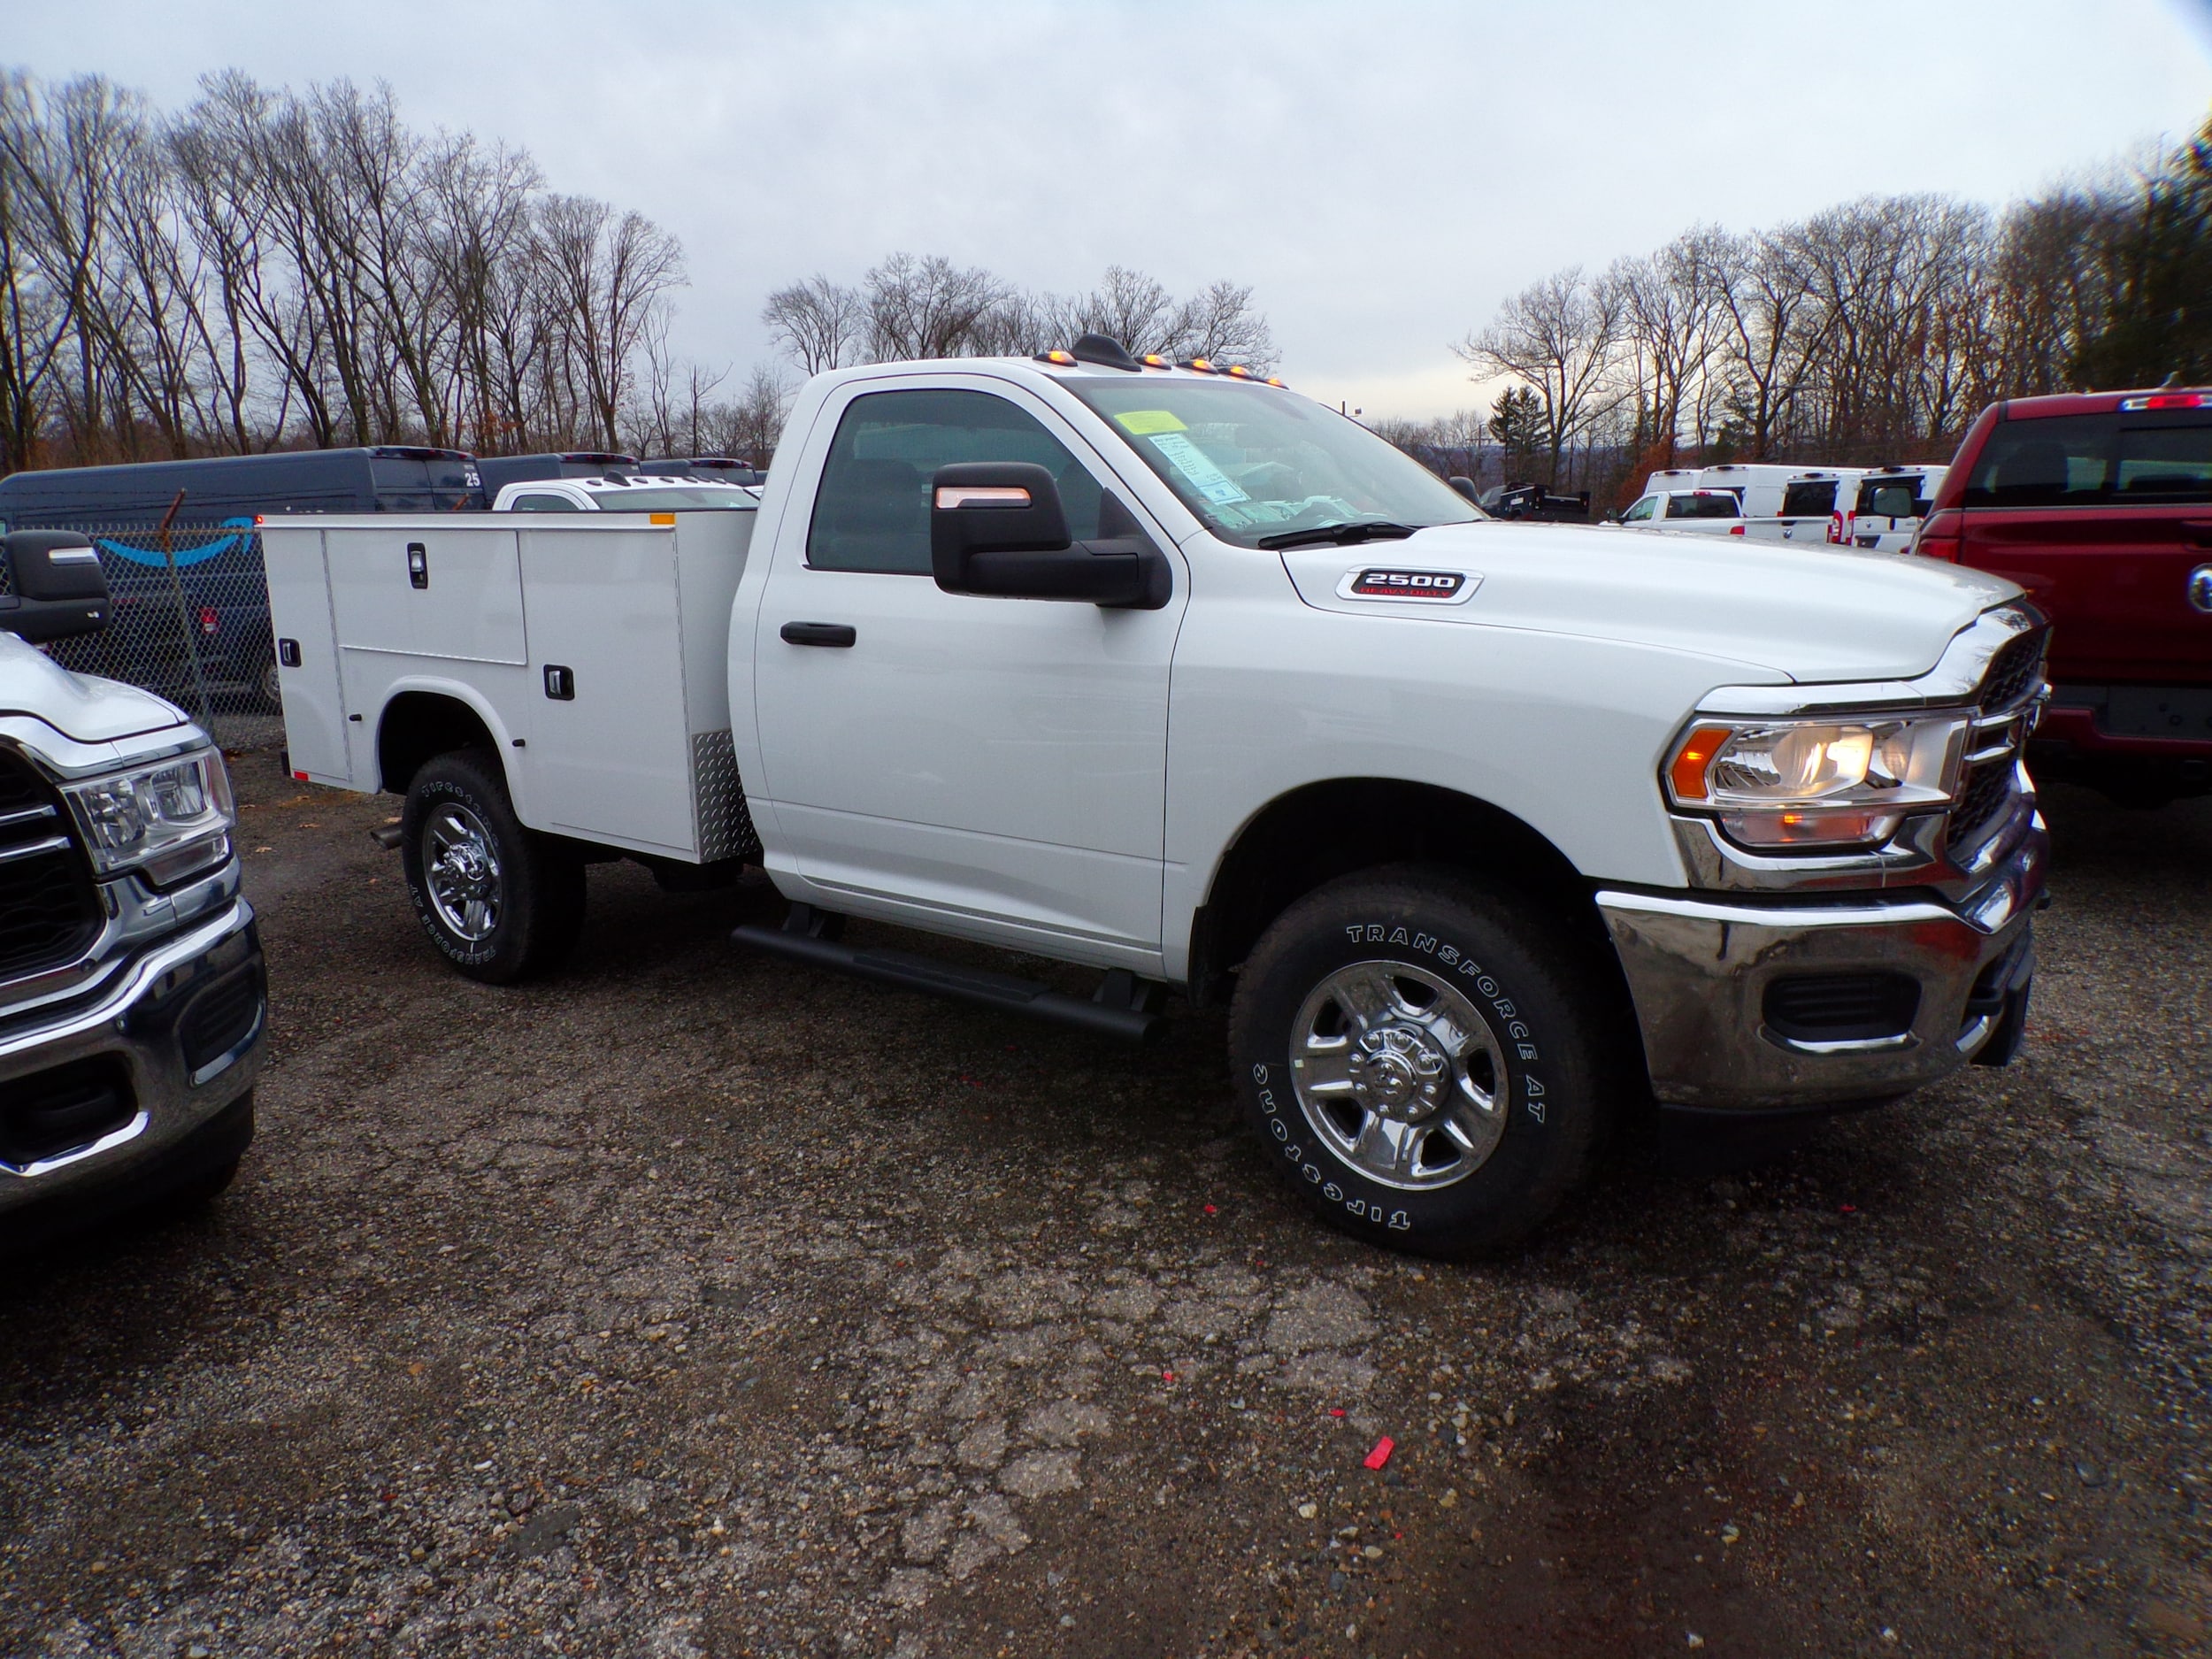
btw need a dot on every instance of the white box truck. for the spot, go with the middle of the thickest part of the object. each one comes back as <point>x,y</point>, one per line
<point>1485,832</point>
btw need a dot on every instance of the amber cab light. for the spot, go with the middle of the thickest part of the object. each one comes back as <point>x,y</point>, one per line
<point>1688,774</point>
<point>1941,536</point>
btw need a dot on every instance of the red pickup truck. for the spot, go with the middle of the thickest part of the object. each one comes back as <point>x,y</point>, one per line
<point>2099,504</point>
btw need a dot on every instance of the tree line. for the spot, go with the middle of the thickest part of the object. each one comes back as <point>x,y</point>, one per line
<point>272,269</point>
<point>1873,330</point>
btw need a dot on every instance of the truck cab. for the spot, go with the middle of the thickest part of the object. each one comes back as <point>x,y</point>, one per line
<point>1698,510</point>
<point>2100,505</point>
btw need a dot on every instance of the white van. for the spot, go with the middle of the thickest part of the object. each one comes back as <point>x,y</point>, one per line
<point>1776,502</point>
<point>1886,513</point>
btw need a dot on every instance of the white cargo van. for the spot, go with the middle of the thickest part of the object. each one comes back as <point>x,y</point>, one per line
<point>1775,503</point>
<point>1887,510</point>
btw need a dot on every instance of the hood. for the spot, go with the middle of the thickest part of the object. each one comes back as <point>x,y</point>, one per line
<point>83,707</point>
<point>1804,614</point>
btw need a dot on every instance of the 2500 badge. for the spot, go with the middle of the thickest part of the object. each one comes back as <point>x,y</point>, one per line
<point>1435,587</point>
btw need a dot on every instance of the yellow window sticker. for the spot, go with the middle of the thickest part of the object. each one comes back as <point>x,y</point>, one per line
<point>1143,423</point>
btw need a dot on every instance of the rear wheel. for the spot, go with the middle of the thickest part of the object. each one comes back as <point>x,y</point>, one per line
<point>499,900</point>
<point>1421,1060</point>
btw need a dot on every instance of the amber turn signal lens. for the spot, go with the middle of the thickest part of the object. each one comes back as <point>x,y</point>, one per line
<point>668,519</point>
<point>1688,774</point>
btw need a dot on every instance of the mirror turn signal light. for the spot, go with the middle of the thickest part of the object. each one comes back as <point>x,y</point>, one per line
<point>950,496</point>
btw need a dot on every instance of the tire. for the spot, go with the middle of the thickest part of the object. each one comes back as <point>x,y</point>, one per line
<point>202,1189</point>
<point>1478,1094</point>
<point>499,900</point>
<point>268,687</point>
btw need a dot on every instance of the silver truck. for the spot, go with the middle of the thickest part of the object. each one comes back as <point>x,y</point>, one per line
<point>133,999</point>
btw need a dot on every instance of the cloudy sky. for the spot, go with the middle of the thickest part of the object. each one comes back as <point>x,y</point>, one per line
<point>1383,174</point>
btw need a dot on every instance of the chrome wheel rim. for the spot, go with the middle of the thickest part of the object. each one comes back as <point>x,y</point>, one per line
<point>460,866</point>
<point>1399,1074</point>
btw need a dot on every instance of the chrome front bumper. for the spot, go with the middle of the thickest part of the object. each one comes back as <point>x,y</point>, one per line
<point>1699,970</point>
<point>138,1023</point>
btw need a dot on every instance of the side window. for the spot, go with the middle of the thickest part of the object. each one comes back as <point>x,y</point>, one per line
<point>543,503</point>
<point>871,511</point>
<point>2166,463</point>
<point>1641,510</point>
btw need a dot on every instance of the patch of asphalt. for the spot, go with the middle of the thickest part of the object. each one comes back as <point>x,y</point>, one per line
<point>692,1304</point>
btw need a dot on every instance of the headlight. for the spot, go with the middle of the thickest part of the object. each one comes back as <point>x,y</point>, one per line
<point>1818,783</point>
<point>168,819</point>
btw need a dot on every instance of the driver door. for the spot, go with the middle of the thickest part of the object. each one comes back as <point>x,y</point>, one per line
<point>989,767</point>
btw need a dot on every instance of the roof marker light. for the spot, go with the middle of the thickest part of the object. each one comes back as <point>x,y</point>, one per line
<point>1154,360</point>
<point>1057,358</point>
<point>1200,364</point>
<point>1277,380</point>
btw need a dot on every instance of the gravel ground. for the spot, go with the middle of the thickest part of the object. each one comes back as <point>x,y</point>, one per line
<point>695,1304</point>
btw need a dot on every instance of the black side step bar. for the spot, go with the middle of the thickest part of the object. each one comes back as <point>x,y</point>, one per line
<point>1124,1007</point>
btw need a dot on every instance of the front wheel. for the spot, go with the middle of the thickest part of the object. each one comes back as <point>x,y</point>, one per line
<point>500,903</point>
<point>1421,1060</point>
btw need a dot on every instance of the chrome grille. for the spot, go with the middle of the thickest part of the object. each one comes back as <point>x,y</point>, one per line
<point>2014,672</point>
<point>2004,712</point>
<point>48,912</point>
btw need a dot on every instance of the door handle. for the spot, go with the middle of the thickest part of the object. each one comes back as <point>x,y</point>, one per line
<point>818,634</point>
<point>418,566</point>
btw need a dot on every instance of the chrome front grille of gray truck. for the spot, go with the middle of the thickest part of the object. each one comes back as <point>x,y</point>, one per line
<point>48,912</point>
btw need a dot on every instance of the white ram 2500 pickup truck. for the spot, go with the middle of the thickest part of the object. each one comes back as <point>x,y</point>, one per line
<point>132,998</point>
<point>1486,832</point>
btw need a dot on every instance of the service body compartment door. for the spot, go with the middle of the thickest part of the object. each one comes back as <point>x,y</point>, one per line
<point>454,594</point>
<point>608,756</point>
<point>307,653</point>
<point>413,600</point>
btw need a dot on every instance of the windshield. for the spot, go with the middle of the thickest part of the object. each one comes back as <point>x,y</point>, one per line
<point>672,498</point>
<point>1254,461</point>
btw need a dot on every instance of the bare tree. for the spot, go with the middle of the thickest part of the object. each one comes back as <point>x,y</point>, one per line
<point>817,321</point>
<point>603,273</point>
<point>1220,323</point>
<point>928,307</point>
<point>1558,337</point>
<point>751,425</point>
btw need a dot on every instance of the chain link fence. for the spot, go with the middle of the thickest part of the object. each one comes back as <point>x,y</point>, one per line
<point>189,621</point>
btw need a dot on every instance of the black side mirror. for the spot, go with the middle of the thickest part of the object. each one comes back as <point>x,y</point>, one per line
<point>1466,485</point>
<point>997,528</point>
<point>58,589</point>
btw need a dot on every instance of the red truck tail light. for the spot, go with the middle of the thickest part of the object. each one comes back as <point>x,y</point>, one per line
<point>1941,536</point>
<point>1735,529</point>
<point>210,619</point>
